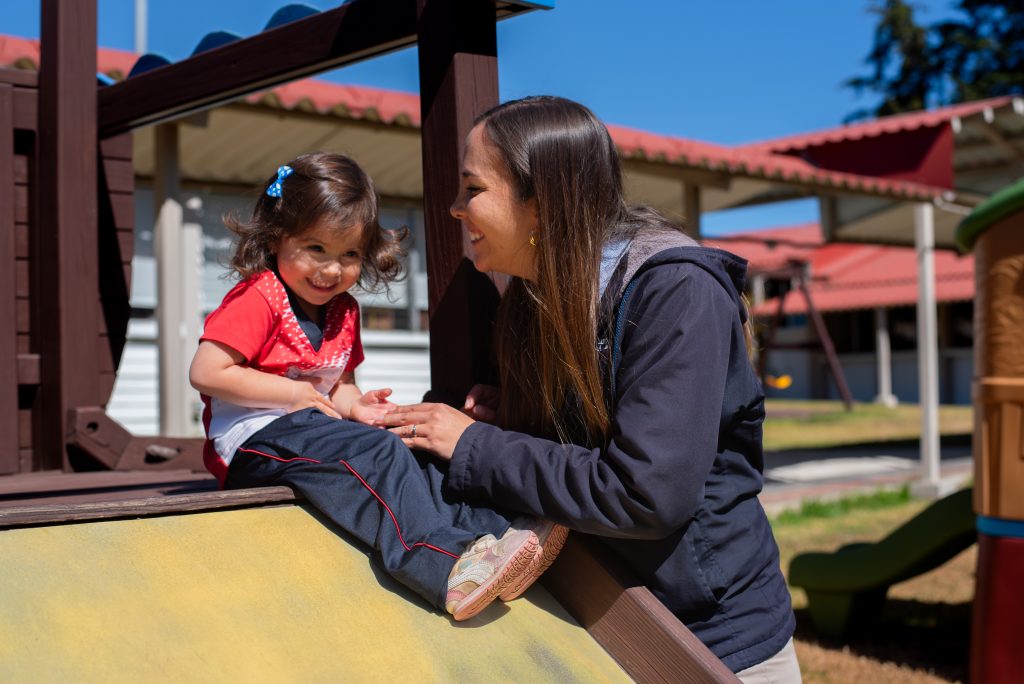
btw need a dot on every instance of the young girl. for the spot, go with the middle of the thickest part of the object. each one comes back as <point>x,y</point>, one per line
<point>275,366</point>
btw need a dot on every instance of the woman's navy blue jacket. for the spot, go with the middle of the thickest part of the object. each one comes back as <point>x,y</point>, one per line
<point>674,494</point>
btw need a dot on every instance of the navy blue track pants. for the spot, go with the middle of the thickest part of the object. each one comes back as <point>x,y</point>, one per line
<point>368,483</point>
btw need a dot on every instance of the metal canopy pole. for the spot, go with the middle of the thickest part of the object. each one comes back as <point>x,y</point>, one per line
<point>883,359</point>
<point>177,246</point>
<point>141,22</point>
<point>927,349</point>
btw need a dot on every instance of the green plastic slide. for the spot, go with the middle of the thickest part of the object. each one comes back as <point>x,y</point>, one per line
<point>846,589</point>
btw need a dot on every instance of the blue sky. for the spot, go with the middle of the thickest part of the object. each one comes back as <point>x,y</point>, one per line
<point>725,71</point>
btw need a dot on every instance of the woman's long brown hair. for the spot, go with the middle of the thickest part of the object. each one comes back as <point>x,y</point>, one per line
<point>557,152</point>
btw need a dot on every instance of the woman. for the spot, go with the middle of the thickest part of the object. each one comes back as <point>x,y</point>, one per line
<point>628,407</point>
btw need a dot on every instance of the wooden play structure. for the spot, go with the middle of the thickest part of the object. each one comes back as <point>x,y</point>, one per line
<point>995,231</point>
<point>67,246</point>
<point>67,179</point>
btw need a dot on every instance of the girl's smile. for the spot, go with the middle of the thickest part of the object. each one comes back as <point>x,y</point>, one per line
<point>320,263</point>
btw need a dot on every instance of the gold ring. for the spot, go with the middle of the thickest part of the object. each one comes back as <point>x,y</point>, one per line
<point>413,431</point>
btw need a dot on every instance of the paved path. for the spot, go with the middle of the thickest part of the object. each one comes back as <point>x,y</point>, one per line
<point>794,476</point>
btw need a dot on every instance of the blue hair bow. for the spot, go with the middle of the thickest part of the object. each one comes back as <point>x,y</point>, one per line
<point>275,188</point>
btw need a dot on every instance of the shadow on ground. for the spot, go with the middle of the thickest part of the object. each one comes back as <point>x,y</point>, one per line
<point>933,637</point>
<point>950,442</point>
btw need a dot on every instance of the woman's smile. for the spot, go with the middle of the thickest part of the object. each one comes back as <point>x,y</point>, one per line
<point>498,223</point>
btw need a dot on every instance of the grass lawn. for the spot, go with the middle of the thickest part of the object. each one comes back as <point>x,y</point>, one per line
<point>924,631</point>
<point>794,424</point>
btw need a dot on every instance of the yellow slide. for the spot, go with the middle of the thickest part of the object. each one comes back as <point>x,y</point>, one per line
<point>254,595</point>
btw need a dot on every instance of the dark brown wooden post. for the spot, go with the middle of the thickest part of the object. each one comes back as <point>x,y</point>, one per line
<point>458,53</point>
<point>65,298</point>
<point>8,290</point>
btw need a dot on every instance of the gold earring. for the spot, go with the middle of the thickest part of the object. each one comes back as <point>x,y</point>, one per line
<point>533,239</point>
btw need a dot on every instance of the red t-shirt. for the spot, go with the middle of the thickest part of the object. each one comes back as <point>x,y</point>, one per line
<point>256,320</point>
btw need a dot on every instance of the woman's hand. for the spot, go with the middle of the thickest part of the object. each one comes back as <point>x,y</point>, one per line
<point>430,427</point>
<point>482,403</point>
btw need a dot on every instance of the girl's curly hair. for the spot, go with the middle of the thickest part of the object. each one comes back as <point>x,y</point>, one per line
<point>324,187</point>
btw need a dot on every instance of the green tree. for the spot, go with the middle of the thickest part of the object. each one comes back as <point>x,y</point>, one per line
<point>903,68</point>
<point>983,53</point>
<point>977,54</point>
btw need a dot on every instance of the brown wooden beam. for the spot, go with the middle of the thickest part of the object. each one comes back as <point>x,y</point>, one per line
<point>8,290</point>
<point>28,369</point>
<point>115,222</point>
<point>19,77</point>
<point>49,514</point>
<point>65,298</point>
<point>330,39</point>
<point>108,443</point>
<point>26,109</point>
<point>648,641</point>
<point>458,60</point>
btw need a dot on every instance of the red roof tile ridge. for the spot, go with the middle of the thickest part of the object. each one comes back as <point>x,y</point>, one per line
<point>387,106</point>
<point>906,121</point>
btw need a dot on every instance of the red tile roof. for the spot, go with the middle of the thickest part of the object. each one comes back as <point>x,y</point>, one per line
<point>876,127</point>
<point>374,104</point>
<point>350,102</point>
<point>773,248</point>
<point>848,276</point>
<point>740,161</point>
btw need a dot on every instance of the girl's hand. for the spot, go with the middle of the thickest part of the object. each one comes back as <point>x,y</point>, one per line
<point>371,407</point>
<point>430,427</point>
<point>305,395</point>
<point>482,403</point>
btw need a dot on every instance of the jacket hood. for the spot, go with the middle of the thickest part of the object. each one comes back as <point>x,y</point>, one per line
<point>650,249</point>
